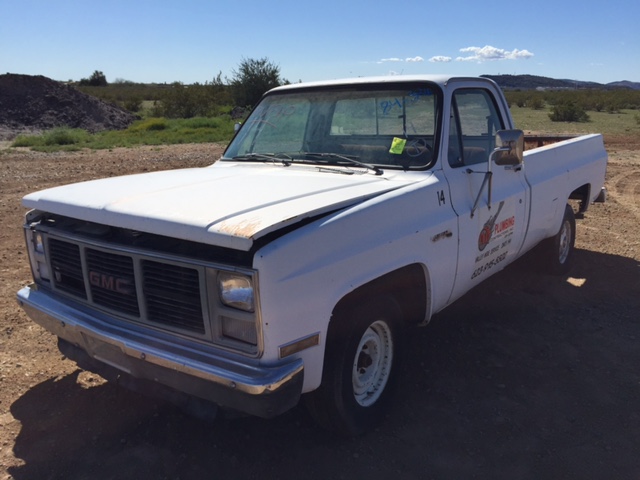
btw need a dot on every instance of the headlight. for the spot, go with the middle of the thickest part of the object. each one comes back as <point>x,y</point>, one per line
<point>236,291</point>
<point>38,242</point>
<point>35,247</point>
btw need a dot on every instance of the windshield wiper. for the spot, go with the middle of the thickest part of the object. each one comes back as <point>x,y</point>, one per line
<point>266,157</point>
<point>345,158</point>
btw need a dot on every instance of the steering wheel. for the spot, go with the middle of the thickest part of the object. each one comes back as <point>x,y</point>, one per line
<point>417,147</point>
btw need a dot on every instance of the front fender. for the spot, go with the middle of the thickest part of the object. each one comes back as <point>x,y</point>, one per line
<point>304,274</point>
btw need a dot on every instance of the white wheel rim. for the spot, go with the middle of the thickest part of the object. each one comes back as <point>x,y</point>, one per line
<point>565,242</point>
<point>372,363</point>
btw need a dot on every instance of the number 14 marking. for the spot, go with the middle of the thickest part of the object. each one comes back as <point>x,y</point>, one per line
<point>441,199</point>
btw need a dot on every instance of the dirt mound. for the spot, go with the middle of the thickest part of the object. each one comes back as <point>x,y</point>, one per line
<point>32,103</point>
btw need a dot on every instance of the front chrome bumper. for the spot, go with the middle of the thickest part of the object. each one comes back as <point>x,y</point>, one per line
<point>223,378</point>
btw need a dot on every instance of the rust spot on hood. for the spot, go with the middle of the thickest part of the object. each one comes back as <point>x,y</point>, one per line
<point>246,228</point>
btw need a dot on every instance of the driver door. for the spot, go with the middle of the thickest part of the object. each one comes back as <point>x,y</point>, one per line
<point>490,200</point>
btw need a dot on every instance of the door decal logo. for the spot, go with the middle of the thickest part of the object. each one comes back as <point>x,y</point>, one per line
<point>487,231</point>
<point>498,233</point>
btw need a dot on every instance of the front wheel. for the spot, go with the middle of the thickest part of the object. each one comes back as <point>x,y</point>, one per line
<point>360,368</point>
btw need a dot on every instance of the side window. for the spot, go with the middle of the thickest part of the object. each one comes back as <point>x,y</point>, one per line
<point>474,123</point>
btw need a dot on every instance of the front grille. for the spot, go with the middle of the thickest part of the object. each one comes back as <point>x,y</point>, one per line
<point>172,294</point>
<point>67,267</point>
<point>112,281</point>
<point>128,284</point>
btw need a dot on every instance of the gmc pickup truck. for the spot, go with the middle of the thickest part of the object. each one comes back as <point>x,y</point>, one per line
<point>341,215</point>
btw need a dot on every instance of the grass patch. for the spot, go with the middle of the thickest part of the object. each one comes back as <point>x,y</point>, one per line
<point>150,131</point>
<point>150,125</point>
<point>26,141</point>
<point>67,139</point>
<point>65,136</point>
<point>622,122</point>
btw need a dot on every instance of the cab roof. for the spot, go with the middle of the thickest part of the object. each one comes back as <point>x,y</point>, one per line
<point>441,80</point>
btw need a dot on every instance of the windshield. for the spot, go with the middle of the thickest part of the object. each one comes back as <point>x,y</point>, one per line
<point>388,126</point>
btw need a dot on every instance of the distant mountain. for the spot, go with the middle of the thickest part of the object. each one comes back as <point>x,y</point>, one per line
<point>530,82</point>
<point>625,84</point>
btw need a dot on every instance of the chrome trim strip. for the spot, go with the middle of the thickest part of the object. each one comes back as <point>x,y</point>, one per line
<point>298,345</point>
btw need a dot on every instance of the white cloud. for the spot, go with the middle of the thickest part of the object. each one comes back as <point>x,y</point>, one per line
<point>487,53</point>
<point>398,60</point>
<point>440,59</point>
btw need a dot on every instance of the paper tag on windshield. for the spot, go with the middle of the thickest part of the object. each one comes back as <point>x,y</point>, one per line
<point>397,145</point>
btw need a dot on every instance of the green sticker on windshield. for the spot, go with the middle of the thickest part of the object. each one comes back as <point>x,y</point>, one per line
<point>397,145</point>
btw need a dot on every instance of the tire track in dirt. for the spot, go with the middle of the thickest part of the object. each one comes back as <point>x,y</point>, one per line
<point>624,188</point>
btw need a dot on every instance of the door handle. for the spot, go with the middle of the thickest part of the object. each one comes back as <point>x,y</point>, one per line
<point>515,168</point>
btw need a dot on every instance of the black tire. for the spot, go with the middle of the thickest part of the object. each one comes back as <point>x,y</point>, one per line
<point>362,362</point>
<point>558,251</point>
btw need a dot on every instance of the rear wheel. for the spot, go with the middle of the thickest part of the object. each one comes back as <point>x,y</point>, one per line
<point>360,368</point>
<point>558,250</point>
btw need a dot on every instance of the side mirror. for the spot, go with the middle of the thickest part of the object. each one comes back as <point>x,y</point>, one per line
<point>236,127</point>
<point>509,147</point>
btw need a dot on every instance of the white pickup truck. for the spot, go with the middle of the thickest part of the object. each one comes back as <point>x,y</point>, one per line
<point>340,215</point>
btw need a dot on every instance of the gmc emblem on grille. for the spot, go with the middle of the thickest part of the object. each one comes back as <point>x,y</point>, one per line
<point>110,282</point>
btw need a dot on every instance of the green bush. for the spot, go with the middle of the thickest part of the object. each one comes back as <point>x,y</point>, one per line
<point>157,109</point>
<point>124,92</point>
<point>133,104</point>
<point>589,100</point>
<point>197,100</point>
<point>568,111</point>
<point>201,122</point>
<point>172,101</point>
<point>149,125</point>
<point>536,103</point>
<point>27,141</point>
<point>65,136</point>
<point>62,138</point>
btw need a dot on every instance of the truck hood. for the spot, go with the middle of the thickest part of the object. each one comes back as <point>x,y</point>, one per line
<point>228,204</point>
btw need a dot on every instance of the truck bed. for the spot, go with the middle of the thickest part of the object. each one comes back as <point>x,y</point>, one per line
<point>558,171</point>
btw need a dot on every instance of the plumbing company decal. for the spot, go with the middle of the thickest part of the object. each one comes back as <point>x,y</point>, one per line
<point>492,231</point>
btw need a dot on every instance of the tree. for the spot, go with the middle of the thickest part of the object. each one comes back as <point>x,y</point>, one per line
<point>253,78</point>
<point>97,79</point>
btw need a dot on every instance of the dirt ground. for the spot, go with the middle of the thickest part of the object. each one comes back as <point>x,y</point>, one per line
<point>526,377</point>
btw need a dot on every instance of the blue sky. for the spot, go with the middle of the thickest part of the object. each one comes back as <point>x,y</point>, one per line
<point>192,40</point>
